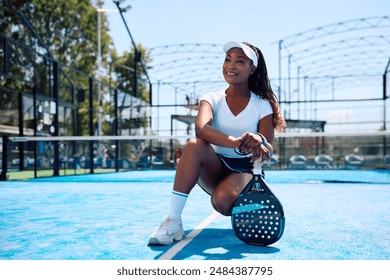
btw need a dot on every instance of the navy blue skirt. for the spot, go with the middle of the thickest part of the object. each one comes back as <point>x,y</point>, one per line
<point>236,164</point>
<point>239,165</point>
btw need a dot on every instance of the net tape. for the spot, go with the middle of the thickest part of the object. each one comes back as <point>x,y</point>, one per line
<point>167,137</point>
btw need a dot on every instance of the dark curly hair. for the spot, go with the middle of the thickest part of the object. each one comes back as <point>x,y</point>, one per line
<point>260,85</point>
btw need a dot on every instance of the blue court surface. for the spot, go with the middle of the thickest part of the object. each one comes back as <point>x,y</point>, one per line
<point>110,217</point>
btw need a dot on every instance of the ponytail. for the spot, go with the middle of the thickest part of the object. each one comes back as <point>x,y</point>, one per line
<point>260,85</point>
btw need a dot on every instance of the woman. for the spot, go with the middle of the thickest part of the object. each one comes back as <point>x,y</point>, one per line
<point>244,116</point>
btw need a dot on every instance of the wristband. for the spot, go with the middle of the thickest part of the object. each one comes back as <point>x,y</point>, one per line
<point>265,143</point>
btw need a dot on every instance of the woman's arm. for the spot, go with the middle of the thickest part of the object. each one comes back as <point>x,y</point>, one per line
<point>266,128</point>
<point>253,143</point>
<point>204,129</point>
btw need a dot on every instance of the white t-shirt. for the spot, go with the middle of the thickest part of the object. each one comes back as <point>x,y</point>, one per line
<point>246,121</point>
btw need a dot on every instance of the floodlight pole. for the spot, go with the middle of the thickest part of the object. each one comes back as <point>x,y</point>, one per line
<point>137,54</point>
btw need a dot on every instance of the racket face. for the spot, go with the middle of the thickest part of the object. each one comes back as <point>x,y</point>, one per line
<point>258,218</point>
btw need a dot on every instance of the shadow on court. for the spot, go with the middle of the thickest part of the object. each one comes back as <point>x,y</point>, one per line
<point>217,244</point>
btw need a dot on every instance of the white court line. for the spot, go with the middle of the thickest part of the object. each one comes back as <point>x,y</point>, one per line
<point>168,255</point>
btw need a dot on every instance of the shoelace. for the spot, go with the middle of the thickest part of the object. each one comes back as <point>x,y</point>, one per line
<point>168,225</point>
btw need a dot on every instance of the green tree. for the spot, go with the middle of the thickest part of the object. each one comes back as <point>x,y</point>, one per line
<point>67,27</point>
<point>66,31</point>
<point>123,69</point>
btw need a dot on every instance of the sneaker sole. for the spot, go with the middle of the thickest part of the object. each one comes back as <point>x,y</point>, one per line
<point>155,241</point>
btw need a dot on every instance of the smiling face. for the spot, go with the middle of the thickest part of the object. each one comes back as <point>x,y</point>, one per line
<point>237,67</point>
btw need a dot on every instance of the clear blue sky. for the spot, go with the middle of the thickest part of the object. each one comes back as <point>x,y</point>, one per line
<point>155,23</point>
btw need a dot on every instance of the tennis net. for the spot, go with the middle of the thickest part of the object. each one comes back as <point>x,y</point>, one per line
<point>69,155</point>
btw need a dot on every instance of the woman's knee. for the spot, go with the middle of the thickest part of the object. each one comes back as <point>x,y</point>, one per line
<point>195,143</point>
<point>195,146</point>
<point>223,202</point>
<point>227,191</point>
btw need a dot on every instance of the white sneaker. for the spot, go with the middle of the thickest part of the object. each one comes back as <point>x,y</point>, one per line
<point>169,231</point>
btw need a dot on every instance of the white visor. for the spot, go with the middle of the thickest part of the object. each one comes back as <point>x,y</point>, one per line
<point>246,49</point>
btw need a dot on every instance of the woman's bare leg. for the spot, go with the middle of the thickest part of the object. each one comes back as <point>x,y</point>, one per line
<point>228,189</point>
<point>197,163</point>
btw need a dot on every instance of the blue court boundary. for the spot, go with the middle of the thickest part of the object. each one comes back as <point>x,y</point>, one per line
<point>272,176</point>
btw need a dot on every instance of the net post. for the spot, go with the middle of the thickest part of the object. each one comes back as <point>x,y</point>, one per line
<point>91,130</point>
<point>34,92</point>
<point>21,130</point>
<point>56,89</point>
<point>116,126</point>
<point>4,164</point>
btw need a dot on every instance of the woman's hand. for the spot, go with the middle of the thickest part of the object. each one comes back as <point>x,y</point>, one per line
<point>253,143</point>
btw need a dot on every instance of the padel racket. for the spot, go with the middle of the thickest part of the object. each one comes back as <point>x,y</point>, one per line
<point>257,215</point>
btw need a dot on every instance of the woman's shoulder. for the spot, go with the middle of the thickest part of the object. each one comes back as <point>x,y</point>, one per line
<point>214,96</point>
<point>262,104</point>
<point>258,99</point>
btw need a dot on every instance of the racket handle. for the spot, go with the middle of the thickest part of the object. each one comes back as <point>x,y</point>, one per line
<point>257,167</point>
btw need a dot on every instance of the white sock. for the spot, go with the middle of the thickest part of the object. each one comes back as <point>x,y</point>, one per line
<point>178,201</point>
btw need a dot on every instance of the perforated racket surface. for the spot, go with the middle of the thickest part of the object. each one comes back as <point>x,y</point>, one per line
<point>257,215</point>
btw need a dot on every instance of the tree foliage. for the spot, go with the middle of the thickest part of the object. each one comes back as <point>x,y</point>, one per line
<point>123,68</point>
<point>65,31</point>
<point>68,28</point>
